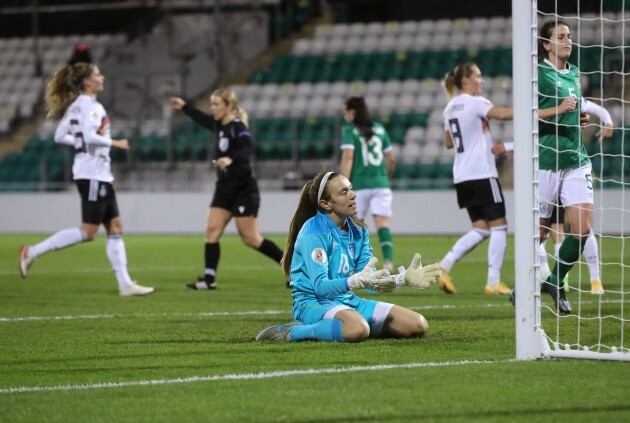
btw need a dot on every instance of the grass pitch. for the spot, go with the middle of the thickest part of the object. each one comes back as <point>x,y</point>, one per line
<point>71,349</point>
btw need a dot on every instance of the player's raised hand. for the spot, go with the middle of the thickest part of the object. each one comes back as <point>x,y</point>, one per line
<point>420,277</point>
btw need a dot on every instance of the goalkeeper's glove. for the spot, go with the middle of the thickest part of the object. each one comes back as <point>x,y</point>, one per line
<point>417,276</point>
<point>379,280</point>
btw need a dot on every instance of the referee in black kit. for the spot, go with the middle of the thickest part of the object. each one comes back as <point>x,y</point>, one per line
<point>236,193</point>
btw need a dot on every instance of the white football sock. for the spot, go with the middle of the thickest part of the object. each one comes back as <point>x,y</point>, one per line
<point>592,257</point>
<point>542,258</point>
<point>466,243</point>
<point>556,250</point>
<point>117,256</point>
<point>496,252</point>
<point>62,239</point>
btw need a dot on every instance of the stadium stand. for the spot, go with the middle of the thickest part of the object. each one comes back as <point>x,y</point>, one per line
<point>295,103</point>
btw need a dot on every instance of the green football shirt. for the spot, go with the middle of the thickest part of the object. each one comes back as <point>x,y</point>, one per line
<point>560,137</point>
<point>368,165</point>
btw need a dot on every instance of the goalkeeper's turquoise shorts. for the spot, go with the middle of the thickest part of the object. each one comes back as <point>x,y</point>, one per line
<point>312,311</point>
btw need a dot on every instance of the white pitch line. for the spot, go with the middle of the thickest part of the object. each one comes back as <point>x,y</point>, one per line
<point>208,314</point>
<point>242,376</point>
<point>258,312</point>
<point>112,316</point>
<point>157,269</point>
<point>35,318</point>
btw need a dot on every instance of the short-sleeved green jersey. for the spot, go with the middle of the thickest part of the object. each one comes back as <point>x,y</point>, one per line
<point>368,166</point>
<point>560,137</point>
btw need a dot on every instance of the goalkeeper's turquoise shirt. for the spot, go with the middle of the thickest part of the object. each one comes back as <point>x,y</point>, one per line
<point>324,257</point>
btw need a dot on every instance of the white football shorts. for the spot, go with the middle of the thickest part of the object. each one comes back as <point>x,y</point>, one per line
<point>572,186</point>
<point>377,200</point>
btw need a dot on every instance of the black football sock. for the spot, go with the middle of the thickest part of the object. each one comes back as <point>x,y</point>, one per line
<point>212,255</point>
<point>271,250</point>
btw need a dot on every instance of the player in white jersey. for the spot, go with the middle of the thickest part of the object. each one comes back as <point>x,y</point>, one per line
<point>467,130</point>
<point>72,93</point>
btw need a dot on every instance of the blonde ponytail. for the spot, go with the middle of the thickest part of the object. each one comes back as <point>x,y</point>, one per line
<point>64,87</point>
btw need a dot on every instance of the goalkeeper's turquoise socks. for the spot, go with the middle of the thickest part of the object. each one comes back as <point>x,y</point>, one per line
<point>569,253</point>
<point>387,245</point>
<point>325,330</point>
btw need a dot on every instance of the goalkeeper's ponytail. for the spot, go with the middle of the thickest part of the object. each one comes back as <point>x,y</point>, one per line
<point>305,210</point>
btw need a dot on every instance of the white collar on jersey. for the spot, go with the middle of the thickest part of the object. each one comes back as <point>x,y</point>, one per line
<point>556,69</point>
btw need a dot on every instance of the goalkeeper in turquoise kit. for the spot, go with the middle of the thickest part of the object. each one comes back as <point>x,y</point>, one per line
<point>368,161</point>
<point>328,257</point>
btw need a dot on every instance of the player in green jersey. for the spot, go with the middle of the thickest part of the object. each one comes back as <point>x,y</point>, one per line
<point>565,169</point>
<point>368,161</point>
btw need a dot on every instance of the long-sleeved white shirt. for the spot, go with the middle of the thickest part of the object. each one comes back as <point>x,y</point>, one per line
<point>85,126</point>
<point>597,110</point>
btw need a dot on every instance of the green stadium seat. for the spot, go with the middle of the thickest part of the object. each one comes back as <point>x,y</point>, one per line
<point>426,171</point>
<point>397,134</point>
<point>445,170</point>
<point>258,77</point>
<point>406,171</point>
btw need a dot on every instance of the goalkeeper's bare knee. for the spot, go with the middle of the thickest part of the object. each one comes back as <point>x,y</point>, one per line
<point>355,330</point>
<point>423,326</point>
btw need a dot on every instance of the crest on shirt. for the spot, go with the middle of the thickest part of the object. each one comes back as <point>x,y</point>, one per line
<point>351,250</point>
<point>319,256</point>
<point>94,115</point>
<point>545,207</point>
<point>224,144</point>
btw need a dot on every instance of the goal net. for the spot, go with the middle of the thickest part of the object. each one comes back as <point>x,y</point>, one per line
<point>598,326</point>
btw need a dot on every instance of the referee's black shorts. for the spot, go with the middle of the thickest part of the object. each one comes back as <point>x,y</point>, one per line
<point>482,198</point>
<point>240,197</point>
<point>98,201</point>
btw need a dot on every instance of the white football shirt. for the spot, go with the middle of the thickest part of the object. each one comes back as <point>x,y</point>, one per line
<point>85,126</point>
<point>465,119</point>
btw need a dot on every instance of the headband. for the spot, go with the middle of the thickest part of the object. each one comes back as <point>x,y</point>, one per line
<point>322,184</point>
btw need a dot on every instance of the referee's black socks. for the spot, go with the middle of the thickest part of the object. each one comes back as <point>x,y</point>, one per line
<point>271,250</point>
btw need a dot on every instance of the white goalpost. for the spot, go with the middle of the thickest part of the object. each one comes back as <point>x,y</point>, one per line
<point>598,326</point>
